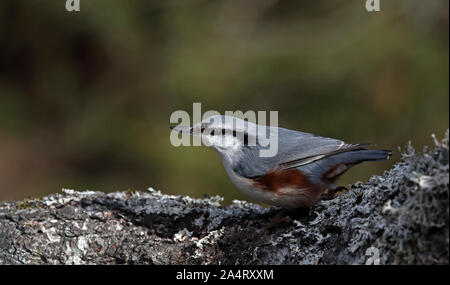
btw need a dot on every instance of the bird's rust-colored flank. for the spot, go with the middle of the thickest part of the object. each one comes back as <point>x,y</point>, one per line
<point>276,180</point>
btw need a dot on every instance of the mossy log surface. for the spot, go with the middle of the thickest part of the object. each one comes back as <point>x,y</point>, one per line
<point>400,217</point>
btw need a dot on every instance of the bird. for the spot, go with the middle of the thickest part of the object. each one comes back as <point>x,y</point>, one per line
<point>304,166</point>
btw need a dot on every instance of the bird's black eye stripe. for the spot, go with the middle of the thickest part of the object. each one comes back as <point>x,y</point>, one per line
<point>223,131</point>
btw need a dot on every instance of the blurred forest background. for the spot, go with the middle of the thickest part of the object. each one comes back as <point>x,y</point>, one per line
<point>85,97</point>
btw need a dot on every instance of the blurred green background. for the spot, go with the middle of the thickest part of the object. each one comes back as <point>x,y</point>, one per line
<point>85,98</point>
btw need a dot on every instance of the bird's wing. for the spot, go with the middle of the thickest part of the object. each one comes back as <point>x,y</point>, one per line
<point>304,148</point>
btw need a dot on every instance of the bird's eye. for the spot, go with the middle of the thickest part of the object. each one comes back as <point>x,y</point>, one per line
<point>234,133</point>
<point>202,130</point>
<point>223,132</point>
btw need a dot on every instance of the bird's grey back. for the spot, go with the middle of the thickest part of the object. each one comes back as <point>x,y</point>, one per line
<point>292,145</point>
<point>313,155</point>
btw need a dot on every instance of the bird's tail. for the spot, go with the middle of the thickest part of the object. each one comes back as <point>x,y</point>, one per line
<point>335,165</point>
<point>357,156</point>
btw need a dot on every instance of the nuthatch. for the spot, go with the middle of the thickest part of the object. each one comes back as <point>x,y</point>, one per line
<point>304,166</point>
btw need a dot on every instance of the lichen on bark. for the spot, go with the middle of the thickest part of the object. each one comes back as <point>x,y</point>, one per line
<point>402,214</point>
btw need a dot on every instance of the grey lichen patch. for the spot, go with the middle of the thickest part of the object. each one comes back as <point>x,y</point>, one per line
<point>403,214</point>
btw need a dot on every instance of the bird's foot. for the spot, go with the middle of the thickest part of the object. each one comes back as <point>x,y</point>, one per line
<point>332,193</point>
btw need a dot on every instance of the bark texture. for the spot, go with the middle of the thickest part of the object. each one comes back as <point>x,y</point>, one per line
<point>398,218</point>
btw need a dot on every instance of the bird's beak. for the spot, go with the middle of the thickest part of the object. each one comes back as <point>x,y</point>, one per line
<point>181,129</point>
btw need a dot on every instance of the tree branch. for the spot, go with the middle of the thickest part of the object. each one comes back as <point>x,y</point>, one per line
<point>401,217</point>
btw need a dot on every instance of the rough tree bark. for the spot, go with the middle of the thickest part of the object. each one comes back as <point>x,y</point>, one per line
<point>400,217</point>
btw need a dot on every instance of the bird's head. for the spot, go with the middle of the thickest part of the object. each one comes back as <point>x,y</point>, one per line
<point>226,134</point>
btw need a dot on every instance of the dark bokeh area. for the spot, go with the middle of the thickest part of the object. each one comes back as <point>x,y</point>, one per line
<point>86,97</point>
